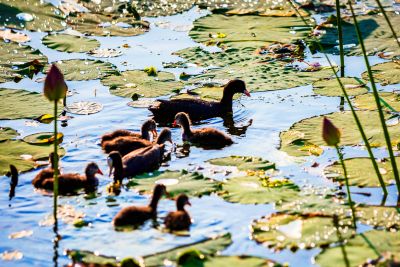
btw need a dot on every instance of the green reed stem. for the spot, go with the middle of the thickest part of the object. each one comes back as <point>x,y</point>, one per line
<point>353,112</point>
<point>340,36</point>
<point>388,21</point>
<point>377,100</point>
<point>347,186</point>
<point>340,238</point>
<point>55,184</point>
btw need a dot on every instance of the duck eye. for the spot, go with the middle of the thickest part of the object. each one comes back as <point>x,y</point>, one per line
<point>109,162</point>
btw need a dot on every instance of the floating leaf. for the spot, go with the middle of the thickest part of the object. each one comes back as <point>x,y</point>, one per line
<point>81,70</point>
<point>67,213</point>
<point>84,107</point>
<point>14,36</point>
<point>367,101</point>
<point>12,152</point>
<point>208,93</point>
<point>7,133</point>
<point>244,163</point>
<point>103,25</point>
<point>385,73</point>
<point>136,81</point>
<point>304,231</point>
<point>362,248</point>
<point>21,234</point>
<point>305,132</point>
<point>45,118</point>
<point>11,255</point>
<point>377,216</point>
<point>43,138</point>
<point>238,261</point>
<point>361,172</point>
<point>108,52</point>
<point>177,182</point>
<point>331,87</point>
<point>141,103</point>
<point>21,104</point>
<point>70,43</point>
<point>32,15</point>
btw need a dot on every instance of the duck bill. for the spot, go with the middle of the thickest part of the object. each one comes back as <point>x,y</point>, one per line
<point>100,172</point>
<point>247,93</point>
<point>174,124</point>
<point>188,203</point>
<point>154,132</point>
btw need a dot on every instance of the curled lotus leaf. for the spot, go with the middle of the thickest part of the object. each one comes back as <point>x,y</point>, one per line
<point>361,172</point>
<point>378,216</point>
<point>385,73</point>
<point>70,43</point>
<point>84,107</point>
<point>331,87</point>
<point>244,163</point>
<point>85,69</point>
<point>361,249</point>
<point>376,34</point>
<point>103,25</point>
<point>32,15</point>
<point>15,59</point>
<point>367,101</point>
<point>299,231</point>
<point>177,182</point>
<point>22,104</point>
<point>7,133</point>
<point>140,83</point>
<point>23,155</point>
<point>304,137</point>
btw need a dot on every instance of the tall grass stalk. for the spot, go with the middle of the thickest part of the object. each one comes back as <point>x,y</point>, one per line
<point>357,120</point>
<point>340,37</point>
<point>377,101</point>
<point>388,21</point>
<point>55,160</point>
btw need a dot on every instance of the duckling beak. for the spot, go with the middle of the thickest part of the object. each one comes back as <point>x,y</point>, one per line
<point>174,124</point>
<point>154,132</point>
<point>247,93</point>
<point>100,172</point>
<point>188,203</point>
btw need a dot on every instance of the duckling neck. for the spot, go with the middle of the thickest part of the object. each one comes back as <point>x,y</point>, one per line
<point>145,132</point>
<point>226,101</point>
<point>180,207</point>
<point>118,170</point>
<point>187,132</point>
<point>90,178</point>
<point>154,202</point>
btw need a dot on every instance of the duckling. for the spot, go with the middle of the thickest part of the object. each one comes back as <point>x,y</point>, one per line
<point>208,138</point>
<point>137,215</point>
<point>179,220</point>
<point>45,173</point>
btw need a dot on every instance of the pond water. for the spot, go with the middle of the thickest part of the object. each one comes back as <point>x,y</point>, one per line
<point>270,112</point>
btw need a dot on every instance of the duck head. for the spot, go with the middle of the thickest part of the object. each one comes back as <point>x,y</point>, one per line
<point>114,162</point>
<point>182,201</point>
<point>182,119</point>
<point>234,87</point>
<point>92,169</point>
<point>149,126</point>
<point>165,136</point>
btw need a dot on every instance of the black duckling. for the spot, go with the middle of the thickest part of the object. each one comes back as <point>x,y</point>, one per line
<point>179,220</point>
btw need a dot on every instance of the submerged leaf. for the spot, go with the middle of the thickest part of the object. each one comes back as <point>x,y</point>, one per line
<point>70,43</point>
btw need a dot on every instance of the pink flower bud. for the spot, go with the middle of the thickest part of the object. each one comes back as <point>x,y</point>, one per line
<point>55,87</point>
<point>330,133</point>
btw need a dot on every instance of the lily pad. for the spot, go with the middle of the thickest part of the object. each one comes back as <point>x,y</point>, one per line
<point>70,43</point>
<point>42,138</point>
<point>378,216</point>
<point>238,261</point>
<point>21,104</point>
<point>244,163</point>
<point>362,248</point>
<point>22,155</point>
<point>141,103</point>
<point>104,25</point>
<point>299,231</point>
<point>139,82</point>
<point>361,172</point>
<point>82,70</point>
<point>13,58</point>
<point>177,182</point>
<point>247,31</point>
<point>331,87</point>
<point>208,247</point>
<point>376,34</point>
<point>305,138</point>
<point>156,8</point>
<point>84,107</point>
<point>107,53</point>
<point>385,73</point>
<point>32,15</point>
<point>208,93</point>
<point>367,101</point>
<point>7,133</point>
<point>14,36</point>
<point>259,190</point>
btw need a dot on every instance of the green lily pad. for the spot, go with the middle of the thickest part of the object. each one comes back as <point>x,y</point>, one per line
<point>177,182</point>
<point>138,82</point>
<point>376,34</point>
<point>244,163</point>
<point>70,43</point>
<point>85,69</point>
<point>104,25</point>
<point>362,248</point>
<point>299,231</point>
<point>247,31</point>
<point>208,93</point>
<point>378,216</point>
<point>367,101</point>
<point>42,138</point>
<point>207,247</point>
<point>238,261</point>
<point>7,133</point>
<point>385,73</point>
<point>305,137</point>
<point>141,103</point>
<point>40,16</point>
<point>13,58</point>
<point>361,172</point>
<point>156,8</point>
<point>258,190</point>
<point>331,87</point>
<point>22,155</point>
<point>22,104</point>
